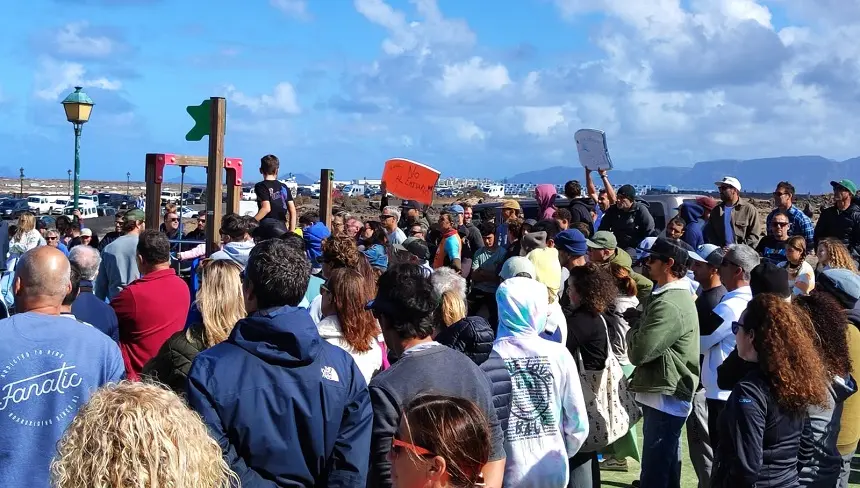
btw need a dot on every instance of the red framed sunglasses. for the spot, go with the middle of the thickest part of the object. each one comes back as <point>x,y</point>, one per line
<point>397,444</point>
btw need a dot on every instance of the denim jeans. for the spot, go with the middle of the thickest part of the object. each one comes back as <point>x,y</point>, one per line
<point>701,453</point>
<point>845,472</point>
<point>661,449</point>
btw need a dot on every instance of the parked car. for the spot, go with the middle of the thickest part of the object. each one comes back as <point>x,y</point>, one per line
<point>168,196</point>
<point>13,208</point>
<point>305,191</point>
<point>87,208</point>
<point>105,210</point>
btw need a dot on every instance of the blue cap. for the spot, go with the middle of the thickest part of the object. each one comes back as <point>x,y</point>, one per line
<point>572,242</point>
<point>456,209</point>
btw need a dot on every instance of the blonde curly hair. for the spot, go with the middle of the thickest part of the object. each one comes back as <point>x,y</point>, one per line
<point>838,256</point>
<point>138,435</point>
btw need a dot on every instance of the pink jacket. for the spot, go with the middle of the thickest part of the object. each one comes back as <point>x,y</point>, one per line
<point>545,195</point>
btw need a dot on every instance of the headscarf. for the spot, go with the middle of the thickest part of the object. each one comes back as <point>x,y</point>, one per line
<point>547,269</point>
<point>517,265</point>
<point>545,196</point>
<point>522,307</point>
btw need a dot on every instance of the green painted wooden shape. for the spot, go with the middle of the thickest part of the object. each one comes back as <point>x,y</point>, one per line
<point>202,117</point>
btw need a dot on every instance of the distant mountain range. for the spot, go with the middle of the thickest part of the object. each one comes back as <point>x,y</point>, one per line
<point>301,179</point>
<point>808,174</point>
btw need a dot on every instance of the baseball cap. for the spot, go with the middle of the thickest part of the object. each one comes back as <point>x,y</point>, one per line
<point>603,240</point>
<point>769,278</point>
<point>709,254</point>
<point>731,181</point>
<point>707,203</point>
<point>86,232</point>
<point>511,204</point>
<point>667,249</point>
<point>532,241</point>
<point>410,205</point>
<point>416,247</point>
<point>135,214</point>
<point>845,183</point>
<point>572,242</point>
<point>456,209</point>
<point>531,222</point>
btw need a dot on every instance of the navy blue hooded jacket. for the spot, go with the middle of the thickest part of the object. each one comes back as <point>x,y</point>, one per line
<point>287,408</point>
<point>692,215</point>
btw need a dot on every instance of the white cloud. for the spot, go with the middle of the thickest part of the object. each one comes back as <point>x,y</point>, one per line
<point>70,40</point>
<point>282,100</point>
<point>418,36</point>
<point>540,121</point>
<point>473,76</point>
<point>53,78</point>
<point>293,8</point>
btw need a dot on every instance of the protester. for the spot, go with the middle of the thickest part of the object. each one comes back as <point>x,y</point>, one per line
<point>219,305</point>
<point>413,215</point>
<point>706,263</point>
<point>572,252</point>
<point>485,274</point>
<point>842,220</point>
<point>562,218</point>
<point>675,228</point>
<point>734,220</point>
<point>86,306</point>
<point>26,236</point>
<point>692,215</point>
<point>441,441</point>
<point>510,213</point>
<point>801,276</point>
<point>624,304</point>
<point>548,273</point>
<point>405,306</point>
<point>579,209</point>
<point>150,309</point>
<point>353,227</point>
<point>235,239</point>
<point>603,249</point>
<point>663,345</point>
<point>844,286</point>
<point>545,195</point>
<point>772,247</point>
<point>274,199</point>
<point>819,460</point>
<point>172,227</point>
<point>389,219</point>
<point>518,267</point>
<point>51,365</point>
<point>761,425</point>
<point>199,232</point>
<point>338,225</point>
<point>347,324</point>
<point>538,446</point>
<point>119,259</point>
<point>309,405</point>
<point>832,254</point>
<point>591,292</point>
<point>717,339</point>
<point>451,246</point>
<point>605,198</point>
<point>414,250</point>
<point>129,433</point>
<point>800,224</point>
<point>629,219</point>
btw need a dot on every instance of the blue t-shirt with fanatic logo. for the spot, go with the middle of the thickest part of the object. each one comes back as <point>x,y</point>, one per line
<point>49,367</point>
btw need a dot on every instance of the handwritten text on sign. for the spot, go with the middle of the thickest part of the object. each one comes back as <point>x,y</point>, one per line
<point>410,180</point>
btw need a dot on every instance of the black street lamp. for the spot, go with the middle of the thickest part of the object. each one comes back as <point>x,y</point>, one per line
<point>22,182</point>
<point>128,183</point>
<point>70,182</point>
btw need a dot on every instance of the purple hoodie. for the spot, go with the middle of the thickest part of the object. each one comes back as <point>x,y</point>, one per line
<point>545,195</point>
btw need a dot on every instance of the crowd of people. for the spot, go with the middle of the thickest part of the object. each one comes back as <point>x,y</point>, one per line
<point>477,351</point>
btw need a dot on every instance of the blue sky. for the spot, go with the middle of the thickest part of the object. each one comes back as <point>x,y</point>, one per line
<point>473,88</point>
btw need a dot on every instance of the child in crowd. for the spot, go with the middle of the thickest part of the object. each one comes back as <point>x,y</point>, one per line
<point>274,199</point>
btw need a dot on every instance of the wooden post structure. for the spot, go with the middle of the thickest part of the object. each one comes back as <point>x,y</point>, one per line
<point>214,178</point>
<point>326,185</point>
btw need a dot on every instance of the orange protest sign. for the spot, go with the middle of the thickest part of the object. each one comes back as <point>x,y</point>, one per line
<point>410,180</point>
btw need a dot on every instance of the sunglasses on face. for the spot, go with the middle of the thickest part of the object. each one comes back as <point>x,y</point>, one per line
<point>397,447</point>
<point>50,238</point>
<point>173,219</point>
<point>201,221</point>
<point>777,194</point>
<point>779,224</point>
<point>735,327</point>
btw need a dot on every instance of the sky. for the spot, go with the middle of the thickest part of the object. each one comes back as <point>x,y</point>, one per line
<point>472,88</point>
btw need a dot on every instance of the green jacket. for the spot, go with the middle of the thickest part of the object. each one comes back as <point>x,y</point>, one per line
<point>643,284</point>
<point>664,345</point>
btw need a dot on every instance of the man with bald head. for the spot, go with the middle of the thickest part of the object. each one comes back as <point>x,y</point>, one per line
<point>49,366</point>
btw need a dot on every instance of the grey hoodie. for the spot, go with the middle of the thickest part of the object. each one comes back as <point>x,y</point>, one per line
<point>235,251</point>
<point>818,460</point>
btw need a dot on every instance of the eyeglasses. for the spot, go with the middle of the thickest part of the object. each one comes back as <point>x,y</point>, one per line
<point>778,194</point>
<point>174,219</point>
<point>415,232</point>
<point>385,217</point>
<point>735,327</point>
<point>324,288</point>
<point>726,187</point>
<point>49,238</point>
<point>398,445</point>
<point>779,224</point>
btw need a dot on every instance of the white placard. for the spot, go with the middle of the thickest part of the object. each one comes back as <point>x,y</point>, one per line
<point>591,146</point>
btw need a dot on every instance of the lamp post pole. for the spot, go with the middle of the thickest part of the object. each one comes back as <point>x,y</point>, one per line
<point>128,183</point>
<point>77,188</point>
<point>22,182</point>
<point>70,182</point>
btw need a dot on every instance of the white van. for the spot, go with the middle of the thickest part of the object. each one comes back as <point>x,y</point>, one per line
<point>494,191</point>
<point>353,191</point>
<point>42,204</point>
<point>169,196</point>
<point>87,208</point>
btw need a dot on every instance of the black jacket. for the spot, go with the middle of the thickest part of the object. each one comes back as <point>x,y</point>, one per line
<point>474,337</point>
<point>630,227</point>
<point>818,459</point>
<point>758,441</point>
<point>842,225</point>
<point>173,361</point>
<point>472,240</point>
<point>580,211</point>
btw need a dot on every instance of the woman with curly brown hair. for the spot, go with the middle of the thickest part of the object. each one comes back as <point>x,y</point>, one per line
<point>819,460</point>
<point>592,290</point>
<point>761,425</point>
<point>138,435</point>
<point>832,254</point>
